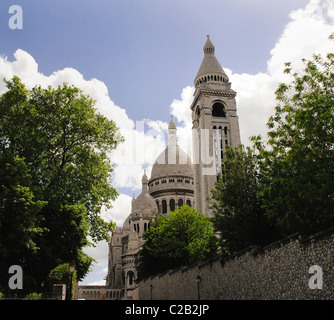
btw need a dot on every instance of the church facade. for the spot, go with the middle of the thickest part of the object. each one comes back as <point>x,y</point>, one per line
<point>176,180</point>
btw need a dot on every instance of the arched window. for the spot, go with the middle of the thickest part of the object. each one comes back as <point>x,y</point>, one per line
<point>188,203</point>
<point>164,206</point>
<point>131,277</point>
<point>218,110</point>
<point>180,203</point>
<point>172,205</point>
<point>123,279</point>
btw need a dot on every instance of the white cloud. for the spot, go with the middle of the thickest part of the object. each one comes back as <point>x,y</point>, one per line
<point>180,109</point>
<point>100,267</point>
<point>121,208</point>
<point>255,102</point>
<point>307,33</point>
<point>158,127</point>
<point>95,283</point>
<point>118,213</point>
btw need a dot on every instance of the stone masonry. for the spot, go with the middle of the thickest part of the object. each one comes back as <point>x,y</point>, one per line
<point>278,271</point>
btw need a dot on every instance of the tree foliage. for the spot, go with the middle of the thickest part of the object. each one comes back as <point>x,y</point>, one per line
<point>54,178</point>
<point>297,165</point>
<point>237,205</point>
<point>62,275</point>
<point>182,238</point>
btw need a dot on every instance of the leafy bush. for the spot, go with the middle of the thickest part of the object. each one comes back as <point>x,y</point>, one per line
<point>33,296</point>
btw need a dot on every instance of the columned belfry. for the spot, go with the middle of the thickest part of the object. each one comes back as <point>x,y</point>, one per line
<point>215,124</point>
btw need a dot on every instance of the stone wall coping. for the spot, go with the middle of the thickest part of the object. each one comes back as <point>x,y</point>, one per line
<point>317,236</point>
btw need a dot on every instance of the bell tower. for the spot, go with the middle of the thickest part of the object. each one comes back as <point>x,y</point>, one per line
<point>215,124</point>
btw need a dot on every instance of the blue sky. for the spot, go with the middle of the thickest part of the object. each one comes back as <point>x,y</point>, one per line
<point>145,51</point>
<point>138,59</point>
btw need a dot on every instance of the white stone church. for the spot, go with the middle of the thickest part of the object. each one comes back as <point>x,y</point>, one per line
<point>175,180</point>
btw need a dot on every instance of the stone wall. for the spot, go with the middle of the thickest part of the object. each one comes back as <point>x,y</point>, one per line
<point>278,271</point>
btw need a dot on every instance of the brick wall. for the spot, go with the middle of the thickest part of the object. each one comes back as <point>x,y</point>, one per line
<point>278,271</point>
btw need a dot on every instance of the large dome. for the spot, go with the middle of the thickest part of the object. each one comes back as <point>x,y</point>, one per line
<point>173,161</point>
<point>172,176</point>
<point>144,204</point>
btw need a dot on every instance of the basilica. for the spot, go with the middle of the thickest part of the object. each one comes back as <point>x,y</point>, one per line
<point>175,179</point>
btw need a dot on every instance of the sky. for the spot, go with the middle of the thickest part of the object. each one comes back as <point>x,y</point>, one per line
<point>138,60</point>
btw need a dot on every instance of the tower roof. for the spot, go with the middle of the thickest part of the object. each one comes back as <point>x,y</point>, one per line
<point>210,64</point>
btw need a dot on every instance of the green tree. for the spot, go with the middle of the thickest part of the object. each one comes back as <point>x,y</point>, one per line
<point>297,164</point>
<point>62,275</point>
<point>54,179</point>
<point>182,238</point>
<point>236,203</point>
